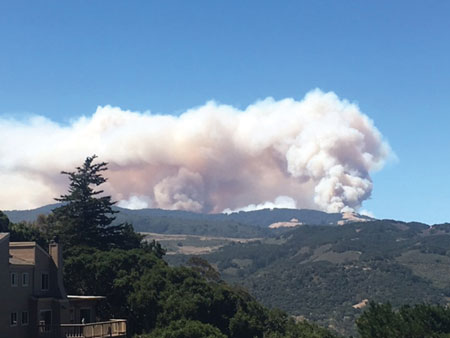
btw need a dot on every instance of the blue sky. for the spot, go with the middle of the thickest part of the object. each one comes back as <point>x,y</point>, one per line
<point>62,59</point>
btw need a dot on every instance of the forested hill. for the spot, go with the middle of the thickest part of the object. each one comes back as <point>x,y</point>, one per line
<point>29,215</point>
<point>240,224</point>
<point>327,274</point>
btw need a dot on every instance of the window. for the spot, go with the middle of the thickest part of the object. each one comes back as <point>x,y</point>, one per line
<point>13,321</point>
<point>25,279</point>
<point>25,318</point>
<point>13,279</point>
<point>44,281</point>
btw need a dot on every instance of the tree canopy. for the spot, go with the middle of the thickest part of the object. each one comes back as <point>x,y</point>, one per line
<point>85,217</point>
<point>166,301</point>
<point>421,320</point>
<point>4,222</point>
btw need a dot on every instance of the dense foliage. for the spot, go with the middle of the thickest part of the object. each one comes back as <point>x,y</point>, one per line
<point>4,222</point>
<point>152,295</point>
<point>23,231</point>
<point>382,321</point>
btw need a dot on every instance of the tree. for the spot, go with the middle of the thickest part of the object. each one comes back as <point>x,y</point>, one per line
<point>22,231</point>
<point>203,268</point>
<point>420,320</point>
<point>27,232</point>
<point>379,321</point>
<point>85,218</point>
<point>4,222</point>
<point>154,247</point>
<point>187,329</point>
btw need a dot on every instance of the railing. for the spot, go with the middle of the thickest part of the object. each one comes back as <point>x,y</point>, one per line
<point>111,328</point>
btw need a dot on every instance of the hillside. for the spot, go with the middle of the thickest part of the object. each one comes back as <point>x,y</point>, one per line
<point>326,274</point>
<point>242,224</point>
<point>30,215</point>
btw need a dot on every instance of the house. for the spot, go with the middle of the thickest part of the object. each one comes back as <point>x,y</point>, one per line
<point>34,303</point>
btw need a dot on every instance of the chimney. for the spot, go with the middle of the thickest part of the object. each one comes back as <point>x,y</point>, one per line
<point>55,251</point>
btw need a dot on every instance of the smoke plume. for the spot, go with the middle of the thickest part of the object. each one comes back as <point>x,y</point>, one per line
<point>314,153</point>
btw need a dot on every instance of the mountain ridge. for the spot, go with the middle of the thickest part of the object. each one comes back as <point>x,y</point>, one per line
<point>258,218</point>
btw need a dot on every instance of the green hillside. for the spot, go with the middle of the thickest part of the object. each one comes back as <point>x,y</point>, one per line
<point>321,273</point>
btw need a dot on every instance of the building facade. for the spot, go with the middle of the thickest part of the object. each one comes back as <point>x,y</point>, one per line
<point>33,301</point>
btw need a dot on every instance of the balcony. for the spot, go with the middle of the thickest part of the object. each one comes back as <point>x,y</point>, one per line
<point>111,328</point>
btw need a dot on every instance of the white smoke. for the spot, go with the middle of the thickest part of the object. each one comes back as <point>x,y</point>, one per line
<point>317,152</point>
<point>281,202</point>
<point>135,202</point>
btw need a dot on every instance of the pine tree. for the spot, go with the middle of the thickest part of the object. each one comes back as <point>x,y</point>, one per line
<point>85,218</point>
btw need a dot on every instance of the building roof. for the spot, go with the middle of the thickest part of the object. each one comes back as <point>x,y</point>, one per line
<point>20,261</point>
<point>22,244</point>
<point>22,253</point>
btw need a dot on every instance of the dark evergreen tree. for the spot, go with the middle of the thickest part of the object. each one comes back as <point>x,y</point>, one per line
<point>4,222</point>
<point>85,217</point>
<point>154,247</point>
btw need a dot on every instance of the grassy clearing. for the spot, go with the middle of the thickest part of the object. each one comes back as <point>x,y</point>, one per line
<point>193,244</point>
